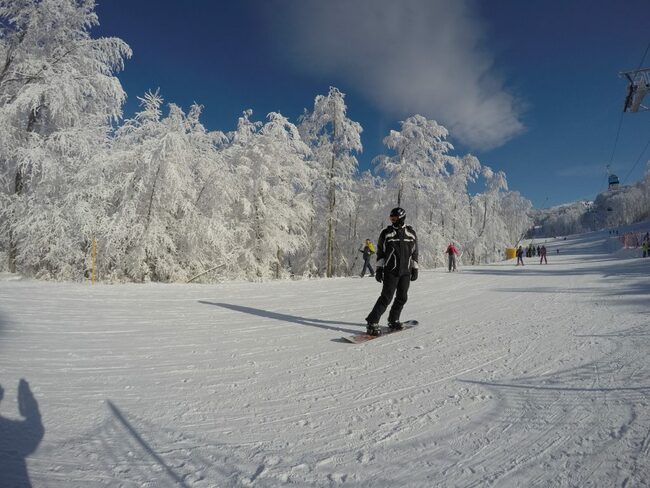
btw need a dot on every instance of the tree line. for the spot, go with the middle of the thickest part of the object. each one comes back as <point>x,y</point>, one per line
<point>165,199</point>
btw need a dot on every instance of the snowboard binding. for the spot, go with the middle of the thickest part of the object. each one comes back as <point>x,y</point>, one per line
<point>395,325</point>
<point>373,330</point>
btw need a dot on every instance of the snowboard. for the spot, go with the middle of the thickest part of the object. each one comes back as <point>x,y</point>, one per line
<point>360,338</point>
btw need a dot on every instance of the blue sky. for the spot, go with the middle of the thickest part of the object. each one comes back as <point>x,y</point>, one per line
<point>530,87</point>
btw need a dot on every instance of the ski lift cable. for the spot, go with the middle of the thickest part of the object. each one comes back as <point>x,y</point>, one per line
<point>642,60</point>
<point>637,161</point>
<point>620,120</point>
<point>618,133</point>
<point>619,124</point>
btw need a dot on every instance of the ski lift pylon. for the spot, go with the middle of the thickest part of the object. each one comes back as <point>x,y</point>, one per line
<point>639,86</point>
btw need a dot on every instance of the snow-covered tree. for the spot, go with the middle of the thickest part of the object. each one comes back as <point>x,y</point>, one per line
<point>332,137</point>
<point>514,211</point>
<point>54,80</point>
<point>367,218</point>
<point>167,200</point>
<point>486,202</point>
<point>272,203</point>
<point>159,226</point>
<point>420,156</point>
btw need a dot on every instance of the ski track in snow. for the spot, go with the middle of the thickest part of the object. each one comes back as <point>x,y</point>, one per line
<point>533,376</point>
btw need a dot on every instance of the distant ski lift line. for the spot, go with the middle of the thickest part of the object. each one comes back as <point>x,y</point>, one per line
<point>638,88</point>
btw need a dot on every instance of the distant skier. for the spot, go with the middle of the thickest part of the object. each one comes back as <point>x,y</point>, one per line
<point>367,250</point>
<point>542,255</point>
<point>646,248</point>
<point>451,252</point>
<point>397,266</point>
<point>520,256</point>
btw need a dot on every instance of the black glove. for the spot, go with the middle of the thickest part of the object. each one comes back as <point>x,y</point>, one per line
<point>414,274</point>
<point>379,274</point>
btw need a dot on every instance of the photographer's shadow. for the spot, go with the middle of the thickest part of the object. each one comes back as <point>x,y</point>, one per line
<point>19,439</point>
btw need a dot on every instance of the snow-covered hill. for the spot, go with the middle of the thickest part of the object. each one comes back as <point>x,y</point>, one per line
<point>517,376</point>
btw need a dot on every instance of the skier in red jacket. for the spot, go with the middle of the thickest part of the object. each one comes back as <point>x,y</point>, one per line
<point>452,252</point>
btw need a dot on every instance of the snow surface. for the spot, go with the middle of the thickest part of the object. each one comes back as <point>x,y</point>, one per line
<point>516,376</point>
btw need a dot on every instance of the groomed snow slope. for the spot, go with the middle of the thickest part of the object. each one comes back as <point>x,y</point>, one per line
<point>517,376</point>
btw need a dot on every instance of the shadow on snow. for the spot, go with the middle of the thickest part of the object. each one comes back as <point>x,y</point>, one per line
<point>19,438</point>
<point>323,324</point>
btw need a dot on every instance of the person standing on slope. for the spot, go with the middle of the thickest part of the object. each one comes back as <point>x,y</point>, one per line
<point>542,255</point>
<point>397,266</point>
<point>368,250</point>
<point>452,252</point>
<point>520,256</point>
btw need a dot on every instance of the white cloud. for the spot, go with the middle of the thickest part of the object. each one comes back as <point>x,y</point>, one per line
<point>406,56</point>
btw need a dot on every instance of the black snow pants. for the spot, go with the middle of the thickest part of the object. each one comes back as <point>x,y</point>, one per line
<point>391,284</point>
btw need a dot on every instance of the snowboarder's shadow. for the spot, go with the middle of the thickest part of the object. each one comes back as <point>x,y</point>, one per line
<point>323,324</point>
<point>19,438</point>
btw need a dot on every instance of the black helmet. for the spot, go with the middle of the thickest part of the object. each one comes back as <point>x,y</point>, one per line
<point>400,213</point>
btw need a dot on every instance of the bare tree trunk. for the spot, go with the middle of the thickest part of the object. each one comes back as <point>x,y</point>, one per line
<point>453,229</point>
<point>18,190</point>
<point>356,219</point>
<point>259,236</point>
<point>349,225</point>
<point>311,266</point>
<point>13,245</point>
<point>330,226</point>
<point>401,183</point>
<point>153,192</point>
<point>332,206</point>
<point>485,211</point>
<point>471,215</point>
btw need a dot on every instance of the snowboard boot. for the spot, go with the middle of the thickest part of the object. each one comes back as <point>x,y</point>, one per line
<point>373,329</point>
<point>395,325</point>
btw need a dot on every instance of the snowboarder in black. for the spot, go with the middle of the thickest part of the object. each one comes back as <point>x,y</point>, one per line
<point>397,266</point>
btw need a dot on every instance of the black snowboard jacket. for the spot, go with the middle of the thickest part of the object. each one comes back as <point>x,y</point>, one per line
<point>397,250</point>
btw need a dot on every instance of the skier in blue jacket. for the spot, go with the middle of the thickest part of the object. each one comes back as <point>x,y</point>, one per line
<point>397,266</point>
